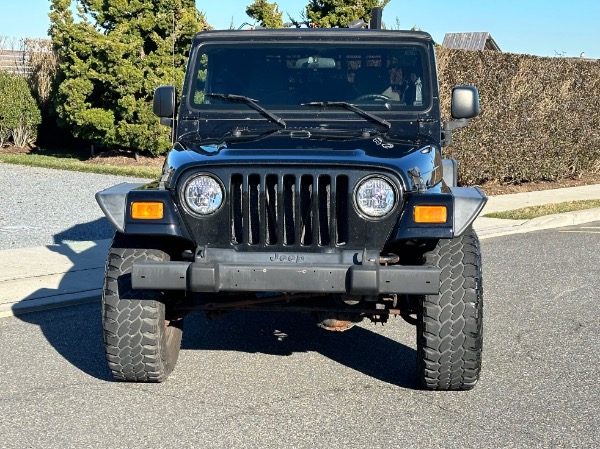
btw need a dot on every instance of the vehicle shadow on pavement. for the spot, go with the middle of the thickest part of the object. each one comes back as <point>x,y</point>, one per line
<point>279,333</point>
<point>75,332</point>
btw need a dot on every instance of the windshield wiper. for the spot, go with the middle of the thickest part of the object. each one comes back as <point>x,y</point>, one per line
<point>253,104</point>
<point>350,107</point>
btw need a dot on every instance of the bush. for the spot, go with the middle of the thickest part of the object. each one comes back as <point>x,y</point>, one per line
<point>539,121</point>
<point>111,62</point>
<point>19,113</point>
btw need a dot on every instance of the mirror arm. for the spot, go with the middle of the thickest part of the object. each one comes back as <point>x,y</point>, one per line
<point>449,126</point>
<point>456,124</point>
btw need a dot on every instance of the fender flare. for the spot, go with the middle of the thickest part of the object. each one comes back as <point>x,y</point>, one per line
<point>468,204</point>
<point>112,202</point>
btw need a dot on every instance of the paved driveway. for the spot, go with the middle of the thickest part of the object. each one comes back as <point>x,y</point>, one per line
<point>276,381</point>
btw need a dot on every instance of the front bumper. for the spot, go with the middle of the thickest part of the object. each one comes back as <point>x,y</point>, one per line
<point>306,278</point>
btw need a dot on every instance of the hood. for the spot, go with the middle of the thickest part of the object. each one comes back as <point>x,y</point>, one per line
<point>295,149</point>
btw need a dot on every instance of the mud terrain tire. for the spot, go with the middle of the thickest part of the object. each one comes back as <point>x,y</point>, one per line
<point>450,325</point>
<point>140,345</point>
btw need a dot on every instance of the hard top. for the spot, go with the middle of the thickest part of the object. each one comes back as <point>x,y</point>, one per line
<point>313,34</point>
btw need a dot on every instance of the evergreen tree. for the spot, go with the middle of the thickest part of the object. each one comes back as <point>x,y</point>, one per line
<point>112,57</point>
<point>266,13</point>
<point>339,13</point>
<point>19,113</point>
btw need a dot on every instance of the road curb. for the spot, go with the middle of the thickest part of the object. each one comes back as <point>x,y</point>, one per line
<point>52,302</point>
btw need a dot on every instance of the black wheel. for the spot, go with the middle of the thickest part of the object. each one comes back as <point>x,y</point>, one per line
<point>450,325</point>
<point>141,345</point>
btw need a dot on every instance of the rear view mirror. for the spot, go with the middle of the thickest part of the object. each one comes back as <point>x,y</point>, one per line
<point>164,101</point>
<point>315,62</point>
<point>465,102</point>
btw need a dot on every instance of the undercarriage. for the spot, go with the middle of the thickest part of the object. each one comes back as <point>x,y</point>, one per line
<point>332,312</point>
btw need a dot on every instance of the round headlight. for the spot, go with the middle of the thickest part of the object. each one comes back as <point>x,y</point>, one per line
<point>375,197</point>
<point>203,194</point>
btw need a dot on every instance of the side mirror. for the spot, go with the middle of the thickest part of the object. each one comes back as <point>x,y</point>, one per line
<point>465,102</point>
<point>164,102</point>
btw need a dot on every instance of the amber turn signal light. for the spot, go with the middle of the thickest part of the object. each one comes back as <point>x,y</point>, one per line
<point>147,211</point>
<point>431,214</point>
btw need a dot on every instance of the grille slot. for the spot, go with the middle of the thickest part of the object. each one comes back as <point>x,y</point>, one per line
<point>236,195</point>
<point>289,210</point>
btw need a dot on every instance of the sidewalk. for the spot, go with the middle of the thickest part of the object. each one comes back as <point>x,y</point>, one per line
<point>494,227</point>
<point>38,278</point>
<point>43,277</point>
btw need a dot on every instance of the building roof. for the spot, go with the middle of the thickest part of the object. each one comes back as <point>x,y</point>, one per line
<point>470,41</point>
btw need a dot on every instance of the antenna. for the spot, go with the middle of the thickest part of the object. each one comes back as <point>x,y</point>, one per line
<point>173,82</point>
<point>173,52</point>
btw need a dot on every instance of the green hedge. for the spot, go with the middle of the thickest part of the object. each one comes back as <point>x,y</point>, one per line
<point>19,113</point>
<point>539,121</point>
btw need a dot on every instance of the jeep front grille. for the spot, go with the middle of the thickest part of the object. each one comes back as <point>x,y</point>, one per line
<point>291,210</point>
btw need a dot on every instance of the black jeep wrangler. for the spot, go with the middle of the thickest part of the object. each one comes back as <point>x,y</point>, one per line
<point>306,175</point>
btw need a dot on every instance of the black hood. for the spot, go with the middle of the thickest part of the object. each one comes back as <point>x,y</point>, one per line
<point>288,149</point>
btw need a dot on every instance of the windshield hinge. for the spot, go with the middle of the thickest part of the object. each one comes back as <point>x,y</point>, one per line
<point>418,183</point>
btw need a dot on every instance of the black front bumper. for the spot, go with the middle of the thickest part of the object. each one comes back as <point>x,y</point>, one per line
<point>306,278</point>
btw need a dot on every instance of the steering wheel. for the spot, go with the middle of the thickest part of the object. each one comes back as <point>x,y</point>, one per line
<point>372,97</point>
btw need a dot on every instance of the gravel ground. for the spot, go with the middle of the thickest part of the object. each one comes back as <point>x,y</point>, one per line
<point>34,212</point>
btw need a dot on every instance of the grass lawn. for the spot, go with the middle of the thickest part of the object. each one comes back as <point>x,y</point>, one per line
<point>527,213</point>
<point>65,160</point>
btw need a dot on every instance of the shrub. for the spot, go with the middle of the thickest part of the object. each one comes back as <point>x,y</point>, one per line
<point>111,62</point>
<point>19,113</point>
<point>539,121</point>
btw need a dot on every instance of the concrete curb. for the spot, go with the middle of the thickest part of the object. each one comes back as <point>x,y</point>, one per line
<point>51,302</point>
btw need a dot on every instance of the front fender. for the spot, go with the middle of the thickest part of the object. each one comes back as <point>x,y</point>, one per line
<point>116,201</point>
<point>463,204</point>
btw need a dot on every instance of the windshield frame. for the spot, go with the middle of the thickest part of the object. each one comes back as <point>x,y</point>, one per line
<point>330,40</point>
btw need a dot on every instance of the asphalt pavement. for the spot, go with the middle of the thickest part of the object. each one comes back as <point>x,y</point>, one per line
<point>58,209</point>
<point>271,381</point>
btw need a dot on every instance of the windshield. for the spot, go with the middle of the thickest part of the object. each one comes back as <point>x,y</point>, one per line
<point>287,76</point>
